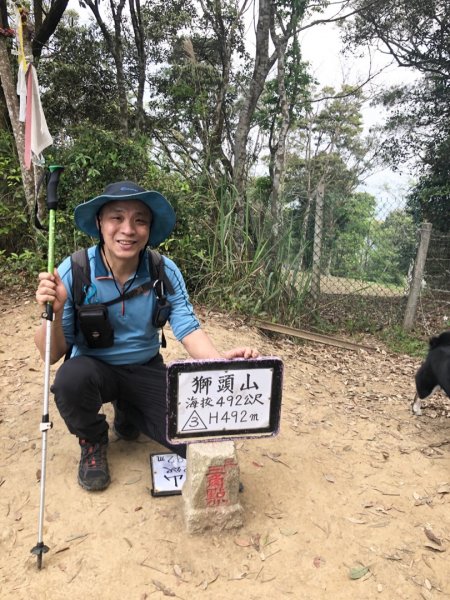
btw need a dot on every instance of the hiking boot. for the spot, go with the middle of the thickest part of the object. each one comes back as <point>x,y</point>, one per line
<point>126,431</point>
<point>93,472</point>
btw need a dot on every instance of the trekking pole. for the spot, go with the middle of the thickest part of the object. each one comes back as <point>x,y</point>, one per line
<point>52,205</point>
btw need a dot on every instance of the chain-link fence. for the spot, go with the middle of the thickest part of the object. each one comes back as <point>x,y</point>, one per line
<point>364,271</point>
<point>437,270</point>
<point>433,306</point>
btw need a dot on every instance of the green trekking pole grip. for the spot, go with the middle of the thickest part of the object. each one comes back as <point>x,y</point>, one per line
<point>52,205</point>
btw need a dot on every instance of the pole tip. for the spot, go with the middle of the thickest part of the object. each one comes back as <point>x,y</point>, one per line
<point>39,550</point>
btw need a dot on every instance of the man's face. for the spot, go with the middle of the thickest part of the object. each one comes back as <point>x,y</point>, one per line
<point>125,226</point>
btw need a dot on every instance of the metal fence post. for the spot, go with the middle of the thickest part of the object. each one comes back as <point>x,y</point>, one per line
<point>419,268</point>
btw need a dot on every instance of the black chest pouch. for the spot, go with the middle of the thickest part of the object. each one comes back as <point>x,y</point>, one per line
<point>162,312</point>
<point>95,325</point>
<point>162,307</point>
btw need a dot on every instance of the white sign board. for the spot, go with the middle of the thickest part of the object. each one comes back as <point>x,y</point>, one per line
<point>223,398</point>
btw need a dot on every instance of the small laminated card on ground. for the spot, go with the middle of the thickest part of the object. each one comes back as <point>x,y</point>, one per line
<point>224,399</point>
<point>168,473</point>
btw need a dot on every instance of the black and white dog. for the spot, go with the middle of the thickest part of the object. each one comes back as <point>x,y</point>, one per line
<point>434,373</point>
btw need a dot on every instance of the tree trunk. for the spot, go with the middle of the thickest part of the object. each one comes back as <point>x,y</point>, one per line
<point>226,37</point>
<point>278,166</point>
<point>226,26</point>
<point>4,21</point>
<point>37,13</point>
<point>263,64</point>
<point>139,37</point>
<point>306,214</point>
<point>46,29</point>
<point>270,14</point>
<point>43,31</point>
<point>114,44</point>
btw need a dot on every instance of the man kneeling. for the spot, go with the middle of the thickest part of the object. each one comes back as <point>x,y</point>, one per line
<point>113,348</point>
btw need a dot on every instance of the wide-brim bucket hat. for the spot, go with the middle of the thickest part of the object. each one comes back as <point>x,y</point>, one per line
<point>163,215</point>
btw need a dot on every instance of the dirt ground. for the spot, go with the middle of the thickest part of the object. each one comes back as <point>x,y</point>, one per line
<point>351,500</point>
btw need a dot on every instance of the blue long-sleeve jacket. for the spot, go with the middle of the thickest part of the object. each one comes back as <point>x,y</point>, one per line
<point>136,340</point>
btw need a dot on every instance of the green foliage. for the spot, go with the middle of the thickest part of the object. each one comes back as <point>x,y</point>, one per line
<point>185,99</point>
<point>327,148</point>
<point>21,245</point>
<point>14,228</point>
<point>429,201</point>
<point>393,249</point>
<point>349,234</point>
<point>414,32</point>
<point>403,342</point>
<point>92,158</point>
<point>342,207</point>
<point>194,93</point>
<point>19,268</point>
<point>297,85</point>
<point>417,130</point>
<point>78,80</point>
<point>234,274</point>
<point>195,211</point>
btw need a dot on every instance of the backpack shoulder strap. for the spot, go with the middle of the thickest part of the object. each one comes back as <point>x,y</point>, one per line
<point>161,283</point>
<point>157,272</point>
<point>81,275</point>
<point>81,280</point>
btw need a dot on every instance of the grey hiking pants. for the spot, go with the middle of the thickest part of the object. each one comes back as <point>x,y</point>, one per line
<point>138,392</point>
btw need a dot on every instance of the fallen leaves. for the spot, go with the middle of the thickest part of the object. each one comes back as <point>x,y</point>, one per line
<point>420,500</point>
<point>444,488</point>
<point>356,521</point>
<point>242,542</point>
<point>385,493</point>
<point>318,561</point>
<point>144,563</point>
<point>178,571</point>
<point>203,585</point>
<point>275,514</point>
<point>435,547</point>
<point>238,576</point>
<point>428,585</point>
<point>343,442</point>
<point>51,517</point>
<point>259,545</point>
<point>162,588</point>
<point>432,537</point>
<point>288,532</point>
<point>358,572</point>
<point>249,541</point>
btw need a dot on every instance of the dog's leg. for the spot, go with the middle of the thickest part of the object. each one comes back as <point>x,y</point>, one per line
<point>416,405</point>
